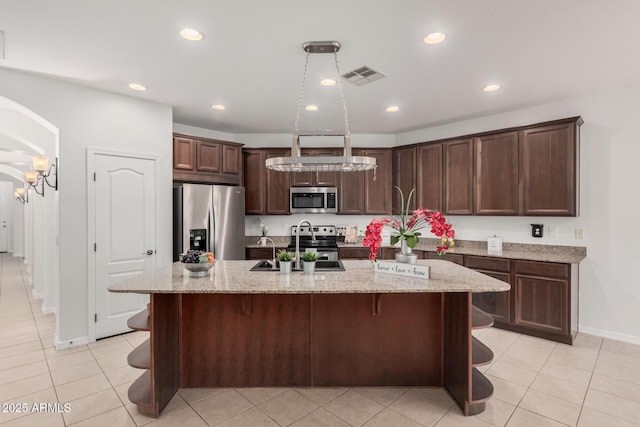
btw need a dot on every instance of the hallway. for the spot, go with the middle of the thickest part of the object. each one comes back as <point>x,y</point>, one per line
<point>537,383</point>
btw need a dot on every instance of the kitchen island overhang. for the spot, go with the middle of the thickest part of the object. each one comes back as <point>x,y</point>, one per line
<point>236,328</point>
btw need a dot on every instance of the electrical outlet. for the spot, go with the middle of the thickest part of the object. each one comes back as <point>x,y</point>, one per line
<point>579,233</point>
<point>537,230</point>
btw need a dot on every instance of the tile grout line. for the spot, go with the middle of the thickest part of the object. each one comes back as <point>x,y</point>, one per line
<point>589,383</point>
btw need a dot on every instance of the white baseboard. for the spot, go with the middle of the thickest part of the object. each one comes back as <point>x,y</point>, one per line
<point>37,295</point>
<point>612,335</point>
<point>61,345</point>
<point>47,310</point>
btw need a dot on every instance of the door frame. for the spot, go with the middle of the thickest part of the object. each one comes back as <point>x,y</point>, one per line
<point>92,152</point>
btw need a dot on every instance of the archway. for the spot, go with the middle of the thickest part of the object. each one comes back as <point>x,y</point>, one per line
<point>24,134</point>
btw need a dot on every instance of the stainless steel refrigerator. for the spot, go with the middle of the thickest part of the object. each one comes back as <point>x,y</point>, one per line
<point>209,218</point>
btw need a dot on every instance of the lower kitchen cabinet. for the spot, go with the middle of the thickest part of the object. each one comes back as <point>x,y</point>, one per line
<point>543,300</point>
<point>261,253</point>
<point>497,304</point>
<point>546,299</point>
<point>362,252</point>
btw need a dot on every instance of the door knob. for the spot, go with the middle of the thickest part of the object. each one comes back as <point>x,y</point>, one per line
<point>149,252</point>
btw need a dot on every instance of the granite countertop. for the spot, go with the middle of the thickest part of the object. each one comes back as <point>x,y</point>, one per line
<point>234,277</point>
<point>522,251</point>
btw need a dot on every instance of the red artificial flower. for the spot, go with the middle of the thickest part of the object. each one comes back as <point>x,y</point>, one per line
<point>407,228</point>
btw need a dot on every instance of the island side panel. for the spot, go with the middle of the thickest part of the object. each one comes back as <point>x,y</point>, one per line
<point>457,348</point>
<point>165,348</point>
<point>377,339</point>
<point>245,340</point>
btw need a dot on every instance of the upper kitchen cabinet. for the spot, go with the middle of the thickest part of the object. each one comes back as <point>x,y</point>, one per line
<point>404,175</point>
<point>316,179</point>
<point>458,177</point>
<point>496,174</point>
<point>266,191</point>
<point>202,160</point>
<point>429,176</point>
<point>549,169</point>
<point>367,192</point>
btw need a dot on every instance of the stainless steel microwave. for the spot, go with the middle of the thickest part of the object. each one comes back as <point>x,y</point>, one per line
<point>314,199</point>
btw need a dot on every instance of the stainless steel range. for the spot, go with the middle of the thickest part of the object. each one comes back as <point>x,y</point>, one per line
<point>325,242</point>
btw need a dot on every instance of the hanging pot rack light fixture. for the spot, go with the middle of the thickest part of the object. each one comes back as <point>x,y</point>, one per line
<point>299,163</point>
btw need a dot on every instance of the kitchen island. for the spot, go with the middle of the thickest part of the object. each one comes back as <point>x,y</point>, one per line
<point>236,328</point>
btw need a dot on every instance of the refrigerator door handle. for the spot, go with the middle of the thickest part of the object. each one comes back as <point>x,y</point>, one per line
<point>212,225</point>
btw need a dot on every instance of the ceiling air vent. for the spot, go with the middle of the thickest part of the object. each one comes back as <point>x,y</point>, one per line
<point>363,75</point>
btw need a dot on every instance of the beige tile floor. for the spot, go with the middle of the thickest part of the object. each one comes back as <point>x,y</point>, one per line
<point>594,383</point>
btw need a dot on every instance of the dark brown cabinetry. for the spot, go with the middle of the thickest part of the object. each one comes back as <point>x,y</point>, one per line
<point>266,191</point>
<point>498,304</point>
<point>209,161</point>
<point>546,299</point>
<point>404,175</point>
<point>496,174</point>
<point>530,170</point>
<point>549,168</point>
<point>316,179</point>
<point>261,253</point>
<point>543,300</point>
<point>458,177</point>
<point>429,176</point>
<point>367,192</point>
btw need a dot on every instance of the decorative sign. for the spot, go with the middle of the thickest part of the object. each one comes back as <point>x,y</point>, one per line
<point>401,269</point>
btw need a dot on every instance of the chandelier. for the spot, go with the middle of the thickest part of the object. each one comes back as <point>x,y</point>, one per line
<point>299,163</point>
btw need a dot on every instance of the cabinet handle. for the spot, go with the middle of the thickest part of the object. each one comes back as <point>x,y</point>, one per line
<point>149,252</point>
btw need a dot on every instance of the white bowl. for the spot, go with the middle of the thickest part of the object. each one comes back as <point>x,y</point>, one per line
<point>198,269</point>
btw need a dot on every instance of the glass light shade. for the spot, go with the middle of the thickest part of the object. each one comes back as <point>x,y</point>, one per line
<point>40,163</point>
<point>31,176</point>
<point>19,191</point>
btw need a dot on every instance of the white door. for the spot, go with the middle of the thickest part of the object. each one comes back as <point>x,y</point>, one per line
<point>4,223</point>
<point>124,236</point>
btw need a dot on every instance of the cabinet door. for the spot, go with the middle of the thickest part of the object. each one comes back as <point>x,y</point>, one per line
<point>548,164</point>
<point>378,189</point>
<point>231,159</point>
<point>458,177</point>
<point>455,258</point>
<point>541,303</point>
<point>351,193</point>
<point>495,303</point>
<point>277,187</point>
<point>183,154</point>
<point>404,175</point>
<point>326,179</point>
<point>208,155</point>
<point>254,171</point>
<point>356,252</point>
<point>429,176</point>
<point>496,163</point>
<point>302,179</point>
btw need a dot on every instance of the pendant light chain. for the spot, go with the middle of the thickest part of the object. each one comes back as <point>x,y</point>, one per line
<point>344,103</point>
<point>301,96</point>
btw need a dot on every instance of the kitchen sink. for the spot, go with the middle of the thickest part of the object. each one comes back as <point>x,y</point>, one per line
<point>321,265</point>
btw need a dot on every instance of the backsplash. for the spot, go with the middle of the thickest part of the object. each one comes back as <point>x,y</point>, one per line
<point>557,230</point>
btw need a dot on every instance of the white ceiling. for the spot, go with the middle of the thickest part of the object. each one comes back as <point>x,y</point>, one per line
<point>251,59</point>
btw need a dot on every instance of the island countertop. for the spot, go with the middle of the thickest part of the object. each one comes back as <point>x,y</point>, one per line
<point>234,277</point>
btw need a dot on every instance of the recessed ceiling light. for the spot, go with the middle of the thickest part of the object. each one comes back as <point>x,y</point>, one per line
<point>218,107</point>
<point>191,34</point>
<point>137,86</point>
<point>311,108</point>
<point>393,108</point>
<point>327,82</point>
<point>491,88</point>
<point>434,38</point>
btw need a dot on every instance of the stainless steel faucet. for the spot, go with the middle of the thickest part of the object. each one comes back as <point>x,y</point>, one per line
<point>313,236</point>
<point>273,248</point>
